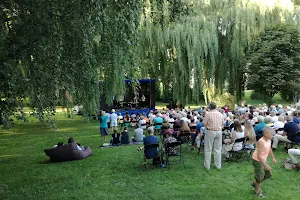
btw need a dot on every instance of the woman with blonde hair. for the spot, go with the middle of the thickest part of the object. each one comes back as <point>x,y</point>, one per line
<point>184,128</point>
<point>249,135</point>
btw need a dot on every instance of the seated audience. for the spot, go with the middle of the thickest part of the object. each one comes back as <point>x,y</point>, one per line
<point>166,129</point>
<point>289,131</point>
<point>237,133</point>
<point>294,153</point>
<point>193,125</point>
<point>269,121</point>
<point>200,137</point>
<point>184,118</point>
<point>158,121</point>
<point>125,136</point>
<point>127,119</point>
<point>295,117</point>
<point>274,117</point>
<point>249,135</point>
<point>151,139</point>
<point>71,140</point>
<point>169,139</point>
<point>142,122</point>
<point>138,135</point>
<point>120,119</point>
<point>279,125</point>
<point>184,128</point>
<point>115,137</point>
<point>259,127</point>
<point>198,129</point>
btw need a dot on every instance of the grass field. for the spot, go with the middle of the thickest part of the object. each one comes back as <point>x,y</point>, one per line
<point>117,173</point>
<point>276,99</point>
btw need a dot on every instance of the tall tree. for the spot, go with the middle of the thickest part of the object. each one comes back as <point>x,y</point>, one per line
<point>205,46</point>
<point>52,48</point>
<point>274,64</point>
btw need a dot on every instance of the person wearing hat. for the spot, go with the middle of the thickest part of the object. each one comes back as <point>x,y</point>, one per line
<point>113,119</point>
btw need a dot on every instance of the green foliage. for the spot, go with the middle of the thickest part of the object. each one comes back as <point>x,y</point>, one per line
<point>287,94</point>
<point>275,63</point>
<point>255,95</point>
<point>225,99</point>
<point>206,45</point>
<point>55,51</point>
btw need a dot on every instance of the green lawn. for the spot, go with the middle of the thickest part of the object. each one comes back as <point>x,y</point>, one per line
<point>117,173</point>
<point>276,99</point>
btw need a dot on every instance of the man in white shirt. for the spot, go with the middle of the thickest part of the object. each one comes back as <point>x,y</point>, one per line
<point>113,119</point>
<point>184,118</point>
<point>142,122</point>
<point>151,117</point>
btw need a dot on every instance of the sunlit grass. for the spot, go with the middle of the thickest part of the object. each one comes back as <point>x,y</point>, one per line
<point>117,173</point>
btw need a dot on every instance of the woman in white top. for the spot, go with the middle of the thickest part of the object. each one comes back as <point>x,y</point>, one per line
<point>236,133</point>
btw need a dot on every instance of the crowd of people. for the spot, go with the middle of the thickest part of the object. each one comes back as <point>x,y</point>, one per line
<point>217,129</point>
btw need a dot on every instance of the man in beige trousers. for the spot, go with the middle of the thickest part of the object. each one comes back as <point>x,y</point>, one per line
<point>213,123</point>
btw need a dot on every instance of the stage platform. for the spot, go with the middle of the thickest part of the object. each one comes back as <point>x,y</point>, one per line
<point>134,110</point>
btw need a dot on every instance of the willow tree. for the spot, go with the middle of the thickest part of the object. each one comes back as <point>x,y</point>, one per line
<point>53,52</point>
<point>205,47</point>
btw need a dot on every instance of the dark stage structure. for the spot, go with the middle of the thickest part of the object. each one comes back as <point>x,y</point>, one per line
<point>139,95</point>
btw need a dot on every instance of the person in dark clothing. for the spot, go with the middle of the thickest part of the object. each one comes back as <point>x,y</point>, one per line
<point>125,136</point>
<point>289,131</point>
<point>151,139</point>
<point>115,137</point>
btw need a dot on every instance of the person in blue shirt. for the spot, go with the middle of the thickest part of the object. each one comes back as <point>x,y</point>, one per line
<point>198,129</point>
<point>158,120</point>
<point>151,139</point>
<point>103,126</point>
<point>258,128</point>
<point>289,133</point>
<point>295,118</point>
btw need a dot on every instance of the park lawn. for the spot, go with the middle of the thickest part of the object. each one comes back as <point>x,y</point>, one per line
<point>276,99</point>
<point>117,173</point>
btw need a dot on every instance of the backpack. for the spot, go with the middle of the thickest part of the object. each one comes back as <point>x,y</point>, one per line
<point>287,164</point>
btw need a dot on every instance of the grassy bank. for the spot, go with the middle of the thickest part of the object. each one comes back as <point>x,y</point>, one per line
<point>117,173</point>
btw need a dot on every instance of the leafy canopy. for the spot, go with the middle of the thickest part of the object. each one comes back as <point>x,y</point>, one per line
<point>274,64</point>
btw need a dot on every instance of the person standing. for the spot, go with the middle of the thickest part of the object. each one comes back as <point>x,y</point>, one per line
<point>261,168</point>
<point>213,122</point>
<point>103,126</point>
<point>143,101</point>
<point>113,119</point>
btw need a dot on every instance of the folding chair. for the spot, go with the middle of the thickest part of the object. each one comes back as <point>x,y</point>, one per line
<point>235,155</point>
<point>152,147</point>
<point>185,138</point>
<point>169,154</point>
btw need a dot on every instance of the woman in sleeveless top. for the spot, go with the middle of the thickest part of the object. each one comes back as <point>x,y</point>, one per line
<point>262,169</point>
<point>237,133</point>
